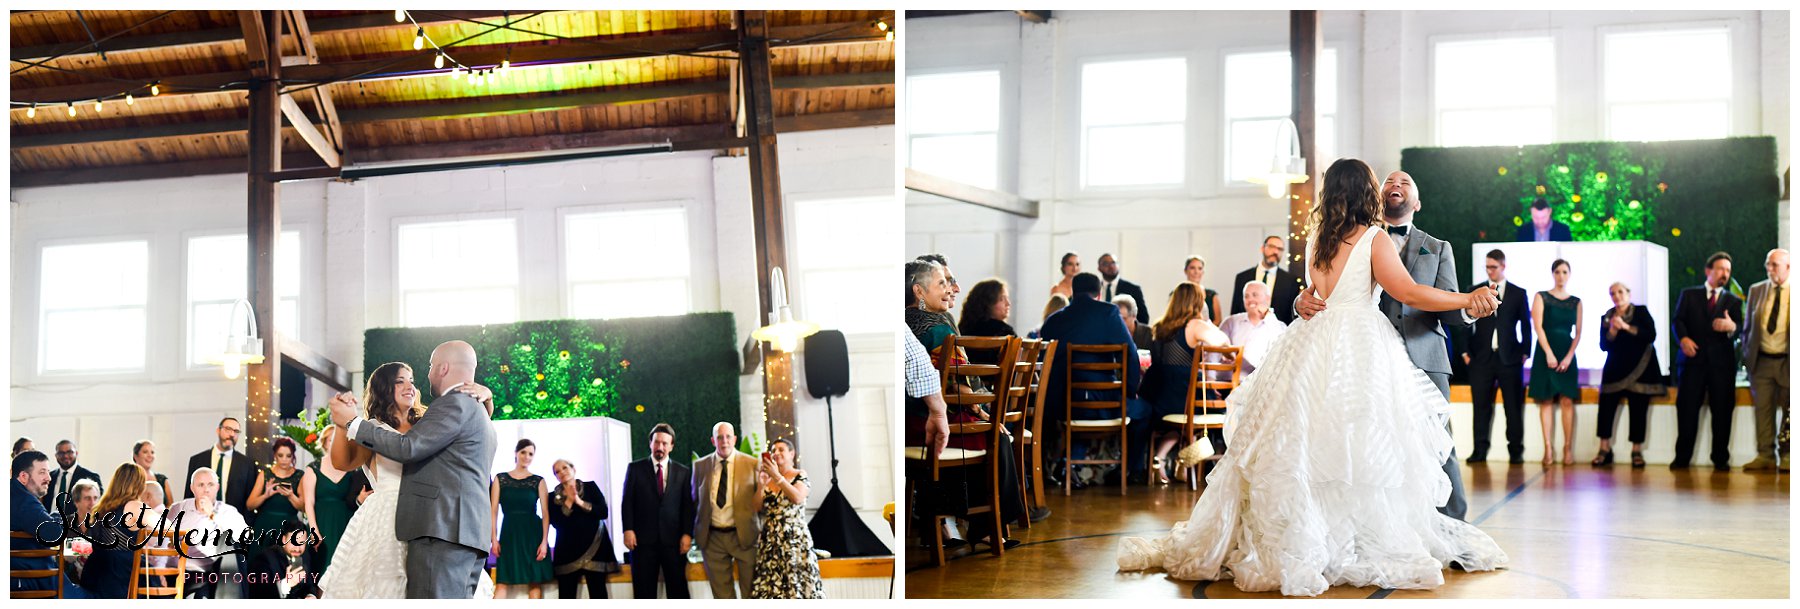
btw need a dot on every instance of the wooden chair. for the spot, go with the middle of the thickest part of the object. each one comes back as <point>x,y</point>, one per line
<point>18,574</point>
<point>141,569</point>
<point>1108,427</point>
<point>1040,381</point>
<point>925,465</point>
<point>1198,415</point>
<point>1018,407</point>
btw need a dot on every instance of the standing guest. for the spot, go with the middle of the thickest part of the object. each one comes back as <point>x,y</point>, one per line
<point>1057,302</point>
<point>1071,264</point>
<point>658,516</point>
<point>290,569</point>
<point>1182,329</point>
<point>1541,227</point>
<point>1112,287</point>
<point>1556,317</point>
<point>985,311</point>
<point>522,539</point>
<point>1706,324</point>
<point>1632,372</point>
<point>1495,354</point>
<point>66,473</point>
<point>202,511</point>
<point>31,481</point>
<point>1765,350</point>
<point>728,523</point>
<point>85,496</point>
<point>584,549</point>
<point>325,490</point>
<point>277,490</point>
<point>1128,313</point>
<point>1283,288</point>
<point>237,474</point>
<point>1256,324</point>
<point>928,303</point>
<point>144,455</point>
<point>785,564</point>
<point>21,445</point>
<point>108,570</point>
<point>1195,270</point>
<point>1088,321</point>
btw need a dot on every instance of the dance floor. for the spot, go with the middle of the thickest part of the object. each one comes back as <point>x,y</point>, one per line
<point>1571,532</point>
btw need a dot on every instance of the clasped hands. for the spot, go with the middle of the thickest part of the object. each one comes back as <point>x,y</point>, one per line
<point>1482,302</point>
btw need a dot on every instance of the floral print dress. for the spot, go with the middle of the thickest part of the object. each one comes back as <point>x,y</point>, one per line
<point>785,565</point>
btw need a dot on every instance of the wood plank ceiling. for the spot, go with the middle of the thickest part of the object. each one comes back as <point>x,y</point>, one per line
<point>574,79</point>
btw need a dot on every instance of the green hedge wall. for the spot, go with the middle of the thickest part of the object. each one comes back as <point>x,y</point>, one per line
<point>680,370</point>
<point>1693,197</point>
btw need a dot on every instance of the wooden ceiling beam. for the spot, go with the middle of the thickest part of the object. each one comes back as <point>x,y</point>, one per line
<point>329,141</point>
<point>974,195</point>
<point>309,133</point>
<point>152,42</point>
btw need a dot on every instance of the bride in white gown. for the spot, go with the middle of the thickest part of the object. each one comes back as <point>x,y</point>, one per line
<point>370,561</point>
<point>1337,441</point>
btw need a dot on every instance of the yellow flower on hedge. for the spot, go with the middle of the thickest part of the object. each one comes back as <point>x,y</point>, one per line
<point>527,348</point>
<point>564,355</point>
<point>1562,169</point>
<point>542,395</point>
<point>1540,189</point>
<point>1574,198</point>
<point>540,376</point>
<point>640,407</point>
<point>505,368</point>
<point>1503,170</point>
<point>1518,221</point>
<point>1634,204</point>
<point>1675,232</point>
<point>1600,176</point>
<point>1577,216</point>
<point>575,400</point>
<point>598,382</point>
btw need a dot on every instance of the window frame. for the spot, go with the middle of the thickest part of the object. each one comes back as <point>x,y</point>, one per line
<point>1604,105</point>
<point>1235,186</point>
<point>399,292</point>
<point>1001,175</point>
<point>796,276</point>
<point>566,285</point>
<point>187,367</point>
<point>1083,129</point>
<point>41,328</point>
<point>1434,43</point>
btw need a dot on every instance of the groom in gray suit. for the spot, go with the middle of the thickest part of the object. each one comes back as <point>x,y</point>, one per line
<point>443,512</point>
<point>1431,262</point>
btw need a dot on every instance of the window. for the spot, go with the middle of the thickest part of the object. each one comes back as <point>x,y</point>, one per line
<point>92,301</point>
<point>1258,95</point>
<point>1495,92</point>
<point>1668,85</point>
<point>628,263</point>
<point>843,263</point>
<point>216,276</point>
<point>1133,122</point>
<point>458,273</point>
<point>953,126</point>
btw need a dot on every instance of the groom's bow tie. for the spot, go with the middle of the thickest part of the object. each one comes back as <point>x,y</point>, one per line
<point>1398,230</point>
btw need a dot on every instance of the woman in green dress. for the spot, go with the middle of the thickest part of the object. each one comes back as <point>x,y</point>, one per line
<point>327,507</point>
<point>785,564</point>
<point>276,495</point>
<point>522,539</point>
<point>1555,379</point>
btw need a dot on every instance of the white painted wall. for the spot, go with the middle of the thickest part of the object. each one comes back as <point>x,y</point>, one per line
<point>348,231</point>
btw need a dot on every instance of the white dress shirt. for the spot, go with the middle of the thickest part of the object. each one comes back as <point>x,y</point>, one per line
<point>224,518</point>
<point>724,516</point>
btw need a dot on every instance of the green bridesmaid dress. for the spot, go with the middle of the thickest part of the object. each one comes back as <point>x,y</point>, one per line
<point>276,509</point>
<point>333,511</point>
<point>521,530</point>
<point>1559,327</point>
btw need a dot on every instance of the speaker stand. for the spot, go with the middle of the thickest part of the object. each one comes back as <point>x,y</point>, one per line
<point>835,527</point>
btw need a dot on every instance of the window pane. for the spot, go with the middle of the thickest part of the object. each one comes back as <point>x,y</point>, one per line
<point>1134,92</point>
<point>1495,73</point>
<point>953,103</point>
<point>848,301</point>
<point>207,329</point>
<point>1261,84</point>
<point>1668,66</point>
<point>216,271</point>
<point>1125,156</point>
<point>969,159</point>
<point>1494,127</point>
<point>616,299</point>
<point>846,233</point>
<point>458,254</point>
<point>1673,121</point>
<point>461,307</point>
<point>1252,147</point>
<point>95,275</point>
<point>628,245</point>
<point>106,339</point>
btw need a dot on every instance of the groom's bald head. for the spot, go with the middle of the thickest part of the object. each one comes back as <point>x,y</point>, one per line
<point>451,363</point>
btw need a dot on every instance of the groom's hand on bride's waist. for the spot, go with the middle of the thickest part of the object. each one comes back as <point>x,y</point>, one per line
<point>1309,304</point>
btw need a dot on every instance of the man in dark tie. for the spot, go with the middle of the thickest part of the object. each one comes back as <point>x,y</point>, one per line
<point>1283,287</point>
<point>1706,324</point>
<point>729,517</point>
<point>1112,286</point>
<point>1765,351</point>
<point>237,474</point>
<point>1541,227</point>
<point>1495,354</point>
<point>658,515</point>
<point>66,474</point>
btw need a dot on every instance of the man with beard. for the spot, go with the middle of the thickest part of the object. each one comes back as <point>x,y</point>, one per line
<point>66,474</point>
<point>1111,287</point>
<point>658,517</point>
<point>237,474</point>
<point>1283,287</point>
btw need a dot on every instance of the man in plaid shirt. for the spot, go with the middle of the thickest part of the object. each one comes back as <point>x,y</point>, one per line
<point>923,390</point>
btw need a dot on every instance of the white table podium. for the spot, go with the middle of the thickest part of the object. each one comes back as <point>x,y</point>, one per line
<point>1593,267</point>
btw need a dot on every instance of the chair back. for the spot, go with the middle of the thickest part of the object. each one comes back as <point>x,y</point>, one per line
<point>1116,359</point>
<point>958,375</point>
<point>157,546</point>
<point>1040,377</point>
<point>1019,385</point>
<point>19,574</point>
<point>1200,375</point>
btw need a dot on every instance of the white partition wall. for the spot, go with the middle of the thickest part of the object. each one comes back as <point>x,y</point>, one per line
<point>1593,267</point>
<point>600,448</point>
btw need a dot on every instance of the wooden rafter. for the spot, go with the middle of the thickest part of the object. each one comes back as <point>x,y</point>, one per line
<point>974,195</point>
<point>151,42</point>
<point>320,95</point>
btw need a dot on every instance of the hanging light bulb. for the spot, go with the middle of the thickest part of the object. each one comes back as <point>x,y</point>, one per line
<point>489,79</point>
<point>129,100</point>
<point>242,346</point>
<point>506,64</point>
<point>98,105</point>
<point>881,25</point>
<point>890,36</point>
<point>155,90</point>
<point>399,16</point>
<point>71,109</point>
<point>31,112</point>
<point>438,62</point>
<point>419,39</point>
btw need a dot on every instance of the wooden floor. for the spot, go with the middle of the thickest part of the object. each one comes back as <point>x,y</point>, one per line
<point>1571,532</point>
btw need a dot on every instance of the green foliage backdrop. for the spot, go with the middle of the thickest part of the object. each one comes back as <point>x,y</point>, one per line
<point>680,370</point>
<point>1693,197</point>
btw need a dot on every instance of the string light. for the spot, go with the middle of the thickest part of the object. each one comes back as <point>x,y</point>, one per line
<point>438,62</point>
<point>155,90</point>
<point>419,39</point>
<point>31,112</point>
<point>399,16</point>
<point>128,100</point>
<point>98,107</point>
<point>71,109</point>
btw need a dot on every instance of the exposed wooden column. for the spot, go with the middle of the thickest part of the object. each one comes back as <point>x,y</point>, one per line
<point>262,42</point>
<point>758,93</point>
<point>1304,42</point>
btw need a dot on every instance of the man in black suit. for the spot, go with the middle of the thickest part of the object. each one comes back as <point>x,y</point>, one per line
<point>1283,287</point>
<point>67,473</point>
<point>1111,286</point>
<point>1495,354</point>
<point>1541,227</point>
<point>1090,321</point>
<point>658,514</point>
<point>237,473</point>
<point>1706,324</point>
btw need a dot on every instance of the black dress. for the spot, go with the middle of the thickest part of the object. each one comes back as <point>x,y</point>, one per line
<point>107,572</point>
<point>1632,373</point>
<point>584,548</point>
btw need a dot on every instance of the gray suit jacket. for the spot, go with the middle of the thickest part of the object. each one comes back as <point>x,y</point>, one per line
<point>1752,328</point>
<point>747,498</point>
<point>447,454</point>
<point>1431,262</point>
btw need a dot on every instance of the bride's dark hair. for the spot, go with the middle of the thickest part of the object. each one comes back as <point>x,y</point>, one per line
<point>1351,200</point>
<point>378,393</point>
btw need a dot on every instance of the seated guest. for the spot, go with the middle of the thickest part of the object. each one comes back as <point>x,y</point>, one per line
<point>203,512</point>
<point>1195,271</point>
<point>87,495</point>
<point>144,454</point>
<point>985,311</point>
<point>1057,303</point>
<point>928,303</point>
<point>584,548</point>
<point>1631,373</point>
<point>1541,227</point>
<point>287,570</point>
<point>955,290</point>
<point>1283,286</point>
<point>1255,324</point>
<point>21,445</point>
<point>1182,329</point>
<point>1088,321</point>
<point>31,481</point>
<point>1140,333</point>
<point>107,573</point>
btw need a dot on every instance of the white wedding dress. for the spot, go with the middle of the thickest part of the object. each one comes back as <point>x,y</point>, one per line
<point>370,561</point>
<point>1334,471</point>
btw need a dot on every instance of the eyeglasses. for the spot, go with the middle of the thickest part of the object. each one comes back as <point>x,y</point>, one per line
<point>230,429</point>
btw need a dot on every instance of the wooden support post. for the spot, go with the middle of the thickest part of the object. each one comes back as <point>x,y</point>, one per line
<point>758,93</point>
<point>1305,40</point>
<point>261,31</point>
